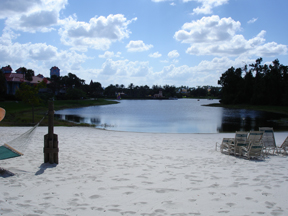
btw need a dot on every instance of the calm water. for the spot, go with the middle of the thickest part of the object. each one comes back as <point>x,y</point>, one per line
<point>172,116</point>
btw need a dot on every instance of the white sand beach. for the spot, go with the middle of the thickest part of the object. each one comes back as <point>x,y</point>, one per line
<point>123,173</point>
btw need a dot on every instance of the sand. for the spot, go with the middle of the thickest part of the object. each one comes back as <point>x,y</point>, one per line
<point>123,173</point>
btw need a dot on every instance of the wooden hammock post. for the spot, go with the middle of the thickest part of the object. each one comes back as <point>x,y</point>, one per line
<point>51,140</point>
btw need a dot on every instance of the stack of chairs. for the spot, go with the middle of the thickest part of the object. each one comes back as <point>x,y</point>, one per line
<point>268,140</point>
<point>247,144</point>
<point>284,147</point>
<point>254,149</point>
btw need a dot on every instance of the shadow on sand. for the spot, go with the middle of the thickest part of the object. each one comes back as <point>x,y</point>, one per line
<point>43,167</point>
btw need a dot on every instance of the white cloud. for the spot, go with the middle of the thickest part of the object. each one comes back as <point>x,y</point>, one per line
<point>99,33</point>
<point>253,20</point>
<point>8,7</point>
<point>207,5</point>
<point>140,73</point>
<point>205,73</point>
<point>31,15</point>
<point>215,36</point>
<point>109,54</point>
<point>138,46</point>
<point>155,55</point>
<point>208,29</point>
<point>173,54</point>
<point>124,72</point>
<point>38,56</point>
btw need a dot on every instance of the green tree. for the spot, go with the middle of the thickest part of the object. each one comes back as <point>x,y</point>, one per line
<point>75,94</point>
<point>29,94</point>
<point>96,89</point>
<point>231,82</point>
<point>3,88</point>
<point>29,75</point>
<point>110,91</point>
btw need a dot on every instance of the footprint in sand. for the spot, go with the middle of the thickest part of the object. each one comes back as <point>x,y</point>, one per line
<point>277,212</point>
<point>129,212</point>
<point>94,197</point>
<point>269,204</point>
<point>230,204</point>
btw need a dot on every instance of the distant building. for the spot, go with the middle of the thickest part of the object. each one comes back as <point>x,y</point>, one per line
<point>19,71</point>
<point>7,69</point>
<point>40,76</point>
<point>160,95</point>
<point>14,80</point>
<point>54,71</point>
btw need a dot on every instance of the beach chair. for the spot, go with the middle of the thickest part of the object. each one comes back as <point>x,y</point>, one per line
<point>254,149</point>
<point>255,136</point>
<point>268,139</point>
<point>239,141</point>
<point>225,146</point>
<point>283,147</point>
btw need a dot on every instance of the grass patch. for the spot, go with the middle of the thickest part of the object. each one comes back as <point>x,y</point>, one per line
<point>20,114</point>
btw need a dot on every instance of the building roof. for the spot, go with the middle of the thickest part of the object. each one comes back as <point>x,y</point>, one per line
<point>7,68</point>
<point>53,68</point>
<point>15,77</point>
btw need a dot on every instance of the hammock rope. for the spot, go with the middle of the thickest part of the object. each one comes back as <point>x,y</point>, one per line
<point>17,146</point>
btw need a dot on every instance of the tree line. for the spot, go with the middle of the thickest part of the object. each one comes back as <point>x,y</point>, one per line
<point>76,88</point>
<point>260,85</point>
<point>72,87</point>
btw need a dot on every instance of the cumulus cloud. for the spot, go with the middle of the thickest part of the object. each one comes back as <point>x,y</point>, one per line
<point>138,46</point>
<point>31,15</point>
<point>99,33</point>
<point>215,36</point>
<point>205,8</point>
<point>125,72</point>
<point>39,56</point>
<point>137,72</point>
<point>155,55</point>
<point>205,73</point>
<point>8,7</point>
<point>207,5</point>
<point>173,54</point>
<point>208,29</point>
<point>109,54</point>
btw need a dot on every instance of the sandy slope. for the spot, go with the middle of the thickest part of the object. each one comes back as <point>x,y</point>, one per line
<point>122,173</point>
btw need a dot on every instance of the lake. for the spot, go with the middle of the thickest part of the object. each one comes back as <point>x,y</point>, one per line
<point>173,116</point>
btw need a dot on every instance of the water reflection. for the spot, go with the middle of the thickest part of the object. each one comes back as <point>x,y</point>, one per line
<point>172,116</point>
<point>246,120</point>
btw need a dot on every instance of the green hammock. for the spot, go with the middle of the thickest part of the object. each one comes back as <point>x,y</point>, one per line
<point>6,153</point>
<point>17,146</point>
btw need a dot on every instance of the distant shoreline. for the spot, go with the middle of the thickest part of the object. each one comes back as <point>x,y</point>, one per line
<point>274,109</point>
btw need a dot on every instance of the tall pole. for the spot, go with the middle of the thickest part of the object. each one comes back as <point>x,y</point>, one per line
<point>51,140</point>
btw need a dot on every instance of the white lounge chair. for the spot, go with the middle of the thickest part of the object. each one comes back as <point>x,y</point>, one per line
<point>268,139</point>
<point>255,136</point>
<point>283,147</point>
<point>240,141</point>
<point>254,150</point>
<point>255,147</point>
<point>225,146</point>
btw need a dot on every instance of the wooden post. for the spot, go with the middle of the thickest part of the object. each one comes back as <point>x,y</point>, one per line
<point>51,140</point>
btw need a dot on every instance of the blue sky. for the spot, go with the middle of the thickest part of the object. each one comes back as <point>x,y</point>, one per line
<point>153,42</point>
